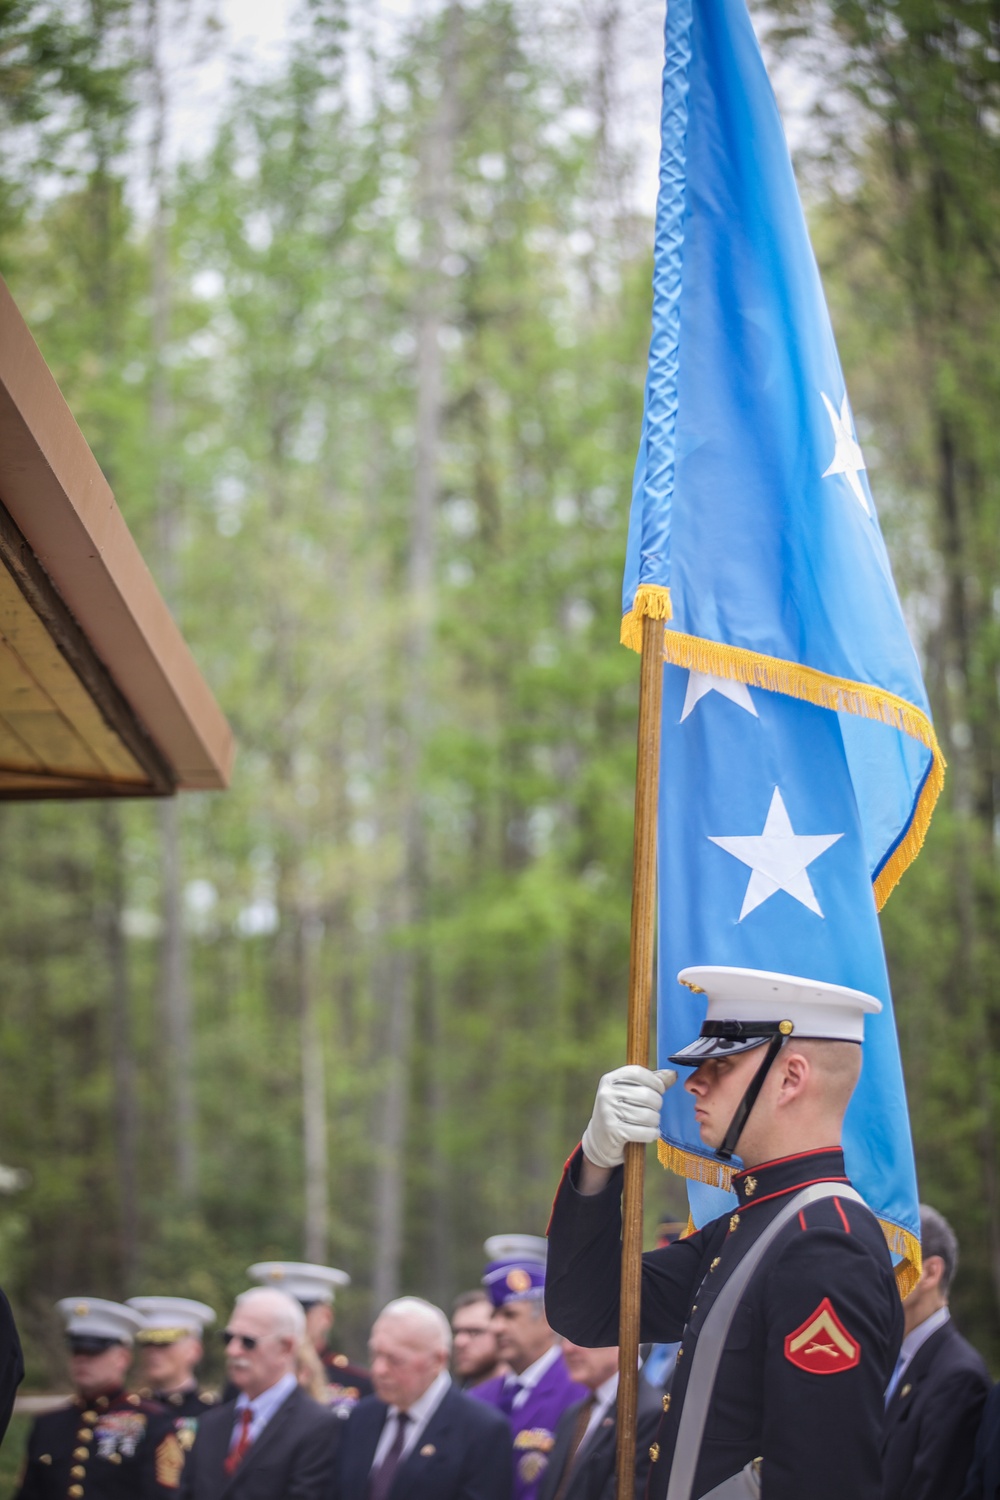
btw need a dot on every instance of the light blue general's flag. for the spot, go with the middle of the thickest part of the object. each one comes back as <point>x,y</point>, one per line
<point>799,765</point>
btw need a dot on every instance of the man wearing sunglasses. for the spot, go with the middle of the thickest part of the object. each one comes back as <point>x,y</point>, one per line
<point>272,1439</point>
<point>315,1287</point>
<point>106,1444</point>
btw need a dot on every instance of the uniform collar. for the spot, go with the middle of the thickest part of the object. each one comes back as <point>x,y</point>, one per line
<point>102,1402</point>
<point>787,1174</point>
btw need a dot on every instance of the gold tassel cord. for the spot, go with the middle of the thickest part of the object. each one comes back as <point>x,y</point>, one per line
<point>694,1167</point>
<point>826,691</point>
<point>697,1168</point>
<point>651,600</point>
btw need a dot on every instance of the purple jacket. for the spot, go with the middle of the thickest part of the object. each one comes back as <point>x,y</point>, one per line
<point>534,1423</point>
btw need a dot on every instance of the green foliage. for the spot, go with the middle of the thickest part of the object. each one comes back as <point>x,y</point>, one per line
<point>264,456</point>
<point>296,279</point>
<point>907,238</point>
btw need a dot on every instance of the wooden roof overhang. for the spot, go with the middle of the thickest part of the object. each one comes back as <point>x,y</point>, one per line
<point>99,694</point>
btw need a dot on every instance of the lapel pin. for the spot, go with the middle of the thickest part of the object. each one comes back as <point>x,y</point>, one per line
<point>428,1450</point>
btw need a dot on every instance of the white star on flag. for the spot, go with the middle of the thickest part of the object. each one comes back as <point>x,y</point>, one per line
<point>700,683</point>
<point>778,858</point>
<point>847,456</point>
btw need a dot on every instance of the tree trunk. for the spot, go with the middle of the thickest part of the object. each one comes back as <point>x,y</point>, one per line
<point>123,1062</point>
<point>175,995</point>
<point>317,1206</point>
<point>408,973</point>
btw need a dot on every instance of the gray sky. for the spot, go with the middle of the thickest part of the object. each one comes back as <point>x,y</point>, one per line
<point>256,32</point>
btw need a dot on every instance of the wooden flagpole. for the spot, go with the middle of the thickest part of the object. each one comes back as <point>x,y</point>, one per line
<point>640,991</point>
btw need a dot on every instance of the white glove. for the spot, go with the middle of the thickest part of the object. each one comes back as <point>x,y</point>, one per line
<point>627,1108</point>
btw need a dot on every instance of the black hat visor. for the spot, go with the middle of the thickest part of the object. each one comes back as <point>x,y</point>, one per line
<point>725,1039</point>
<point>89,1343</point>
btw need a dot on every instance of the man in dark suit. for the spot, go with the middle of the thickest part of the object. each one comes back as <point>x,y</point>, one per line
<point>983,1482</point>
<point>418,1438</point>
<point>272,1440</point>
<point>582,1462</point>
<point>939,1386</point>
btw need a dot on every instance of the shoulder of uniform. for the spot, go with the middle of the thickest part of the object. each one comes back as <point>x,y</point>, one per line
<point>148,1408</point>
<point>843,1214</point>
<point>834,1239</point>
<point>66,1414</point>
<point>208,1398</point>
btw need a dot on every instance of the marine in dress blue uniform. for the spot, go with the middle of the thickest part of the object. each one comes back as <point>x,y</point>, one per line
<point>170,1347</point>
<point>315,1288</point>
<point>107,1444</point>
<point>534,1396</point>
<point>797,1400</point>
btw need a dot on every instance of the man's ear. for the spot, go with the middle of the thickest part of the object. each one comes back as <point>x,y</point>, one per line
<point>795,1070</point>
<point>933,1271</point>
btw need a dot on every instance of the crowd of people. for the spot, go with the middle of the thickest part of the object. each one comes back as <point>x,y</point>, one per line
<point>781,1361</point>
<point>488,1405</point>
<point>491,1405</point>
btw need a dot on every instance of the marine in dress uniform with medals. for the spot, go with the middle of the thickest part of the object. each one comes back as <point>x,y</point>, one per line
<point>539,1389</point>
<point>315,1288</point>
<point>807,1334</point>
<point>107,1444</point>
<point>170,1350</point>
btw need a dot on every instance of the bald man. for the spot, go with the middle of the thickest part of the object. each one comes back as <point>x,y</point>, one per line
<point>272,1439</point>
<point>419,1437</point>
<point>787,1310</point>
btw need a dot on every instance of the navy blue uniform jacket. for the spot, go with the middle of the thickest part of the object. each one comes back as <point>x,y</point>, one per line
<point>292,1459</point>
<point>932,1419</point>
<point>115,1447</point>
<point>463,1453</point>
<point>810,1350</point>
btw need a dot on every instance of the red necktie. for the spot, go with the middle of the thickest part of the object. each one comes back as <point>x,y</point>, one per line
<point>243,1442</point>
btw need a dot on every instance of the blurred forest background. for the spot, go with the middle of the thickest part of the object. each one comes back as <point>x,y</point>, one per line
<point>364,368</point>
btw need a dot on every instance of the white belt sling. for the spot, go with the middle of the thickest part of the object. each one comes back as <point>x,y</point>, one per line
<point>708,1352</point>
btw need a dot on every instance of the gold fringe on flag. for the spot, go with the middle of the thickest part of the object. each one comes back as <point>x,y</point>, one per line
<point>651,599</point>
<point>697,1168</point>
<point>826,691</point>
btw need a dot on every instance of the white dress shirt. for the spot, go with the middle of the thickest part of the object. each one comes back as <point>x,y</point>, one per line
<point>262,1407</point>
<point>604,1399</point>
<point>915,1340</point>
<point>419,1414</point>
<point>530,1377</point>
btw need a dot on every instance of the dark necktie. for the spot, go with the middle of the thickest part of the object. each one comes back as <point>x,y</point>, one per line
<point>579,1433</point>
<point>511,1390</point>
<point>243,1442</point>
<point>380,1481</point>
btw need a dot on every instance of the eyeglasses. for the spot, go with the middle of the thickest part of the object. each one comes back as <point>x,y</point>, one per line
<point>247,1340</point>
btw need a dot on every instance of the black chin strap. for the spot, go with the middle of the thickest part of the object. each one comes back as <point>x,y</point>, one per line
<point>726,1150</point>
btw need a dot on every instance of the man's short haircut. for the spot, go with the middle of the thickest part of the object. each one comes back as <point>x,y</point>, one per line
<point>938,1238</point>
<point>284,1311</point>
<point>469,1299</point>
<point>425,1315</point>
